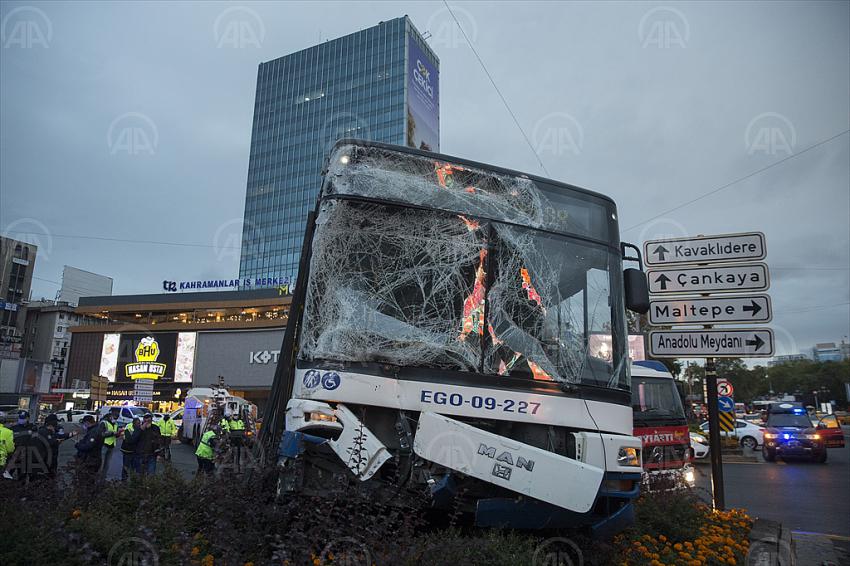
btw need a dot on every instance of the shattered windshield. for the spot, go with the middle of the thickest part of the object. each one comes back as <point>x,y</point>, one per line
<point>415,287</point>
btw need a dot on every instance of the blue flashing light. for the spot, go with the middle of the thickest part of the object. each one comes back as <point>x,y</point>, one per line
<point>799,411</point>
<point>786,436</point>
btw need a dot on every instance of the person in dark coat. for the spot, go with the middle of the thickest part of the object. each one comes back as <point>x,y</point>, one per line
<point>90,447</point>
<point>147,442</point>
<point>50,435</point>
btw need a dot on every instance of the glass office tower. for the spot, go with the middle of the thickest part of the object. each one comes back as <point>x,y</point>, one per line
<point>380,84</point>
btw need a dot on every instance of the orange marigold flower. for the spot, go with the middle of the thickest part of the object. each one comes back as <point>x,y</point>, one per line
<point>195,551</point>
<point>208,560</point>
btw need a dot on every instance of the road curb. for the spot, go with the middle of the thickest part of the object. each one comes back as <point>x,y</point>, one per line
<point>770,544</point>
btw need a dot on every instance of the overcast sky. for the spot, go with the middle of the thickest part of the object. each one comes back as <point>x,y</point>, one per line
<point>652,104</point>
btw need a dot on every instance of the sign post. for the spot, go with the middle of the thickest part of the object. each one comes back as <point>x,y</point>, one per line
<point>714,436</point>
<point>712,267</point>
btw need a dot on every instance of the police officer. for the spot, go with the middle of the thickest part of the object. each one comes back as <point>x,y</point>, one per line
<point>7,445</point>
<point>237,438</point>
<point>109,432</point>
<point>206,451</point>
<point>26,445</point>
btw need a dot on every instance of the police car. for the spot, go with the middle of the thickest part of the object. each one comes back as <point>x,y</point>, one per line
<point>789,432</point>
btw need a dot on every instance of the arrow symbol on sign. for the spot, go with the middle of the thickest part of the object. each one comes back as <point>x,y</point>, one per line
<point>758,343</point>
<point>663,279</point>
<point>661,250</point>
<point>755,308</point>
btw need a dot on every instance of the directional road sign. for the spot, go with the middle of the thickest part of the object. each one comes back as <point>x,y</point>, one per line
<point>711,310</point>
<point>715,343</point>
<point>726,404</point>
<point>706,249</point>
<point>724,388</point>
<point>727,421</point>
<point>716,279</point>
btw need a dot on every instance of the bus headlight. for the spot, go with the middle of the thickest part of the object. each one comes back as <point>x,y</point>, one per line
<point>322,417</point>
<point>690,477</point>
<point>628,456</point>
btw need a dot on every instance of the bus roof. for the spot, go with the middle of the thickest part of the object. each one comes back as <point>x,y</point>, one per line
<point>395,175</point>
<point>462,161</point>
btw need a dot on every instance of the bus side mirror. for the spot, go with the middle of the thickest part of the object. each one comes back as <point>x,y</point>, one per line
<point>636,290</point>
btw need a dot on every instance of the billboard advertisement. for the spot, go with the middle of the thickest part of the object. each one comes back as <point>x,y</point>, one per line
<point>161,356</point>
<point>423,100</point>
<point>246,359</point>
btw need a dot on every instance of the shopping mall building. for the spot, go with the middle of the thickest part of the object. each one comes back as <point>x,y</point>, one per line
<point>182,340</point>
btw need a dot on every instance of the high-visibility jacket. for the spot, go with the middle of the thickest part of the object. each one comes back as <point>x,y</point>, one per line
<point>113,428</point>
<point>205,449</point>
<point>167,428</point>
<point>7,443</point>
<point>237,424</point>
<point>225,425</point>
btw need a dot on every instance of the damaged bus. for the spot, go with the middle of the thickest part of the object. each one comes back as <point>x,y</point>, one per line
<point>460,329</point>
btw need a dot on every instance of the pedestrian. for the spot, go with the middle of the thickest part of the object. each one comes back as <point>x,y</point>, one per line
<point>109,431</point>
<point>7,445</point>
<point>51,434</point>
<point>168,430</point>
<point>147,442</point>
<point>128,455</point>
<point>22,459</point>
<point>237,439</point>
<point>89,448</point>
<point>206,451</point>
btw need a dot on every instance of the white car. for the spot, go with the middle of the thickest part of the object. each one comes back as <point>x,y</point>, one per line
<point>76,415</point>
<point>750,435</point>
<point>699,446</point>
<point>126,415</point>
<point>177,418</point>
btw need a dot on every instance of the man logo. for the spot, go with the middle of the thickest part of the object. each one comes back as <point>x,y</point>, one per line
<point>504,461</point>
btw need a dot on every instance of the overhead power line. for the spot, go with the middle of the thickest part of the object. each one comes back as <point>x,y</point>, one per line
<point>126,240</point>
<point>738,180</point>
<point>499,92</point>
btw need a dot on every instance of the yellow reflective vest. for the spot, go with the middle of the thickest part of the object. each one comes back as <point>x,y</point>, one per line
<point>205,449</point>
<point>237,424</point>
<point>7,444</point>
<point>113,428</point>
<point>167,428</point>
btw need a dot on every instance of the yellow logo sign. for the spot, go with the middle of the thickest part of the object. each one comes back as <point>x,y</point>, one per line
<point>146,366</point>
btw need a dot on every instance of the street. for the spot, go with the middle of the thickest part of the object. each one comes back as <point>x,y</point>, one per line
<point>805,496</point>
